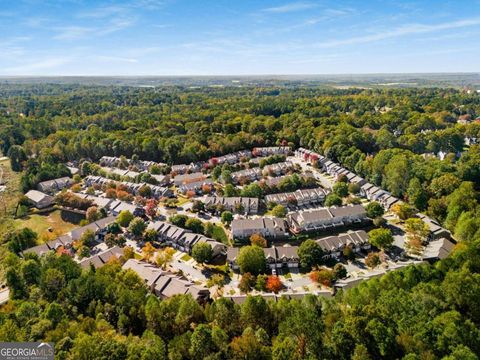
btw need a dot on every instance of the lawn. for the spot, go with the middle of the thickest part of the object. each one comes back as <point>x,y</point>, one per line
<point>40,223</point>
<point>218,233</point>
<point>9,197</point>
<point>186,257</point>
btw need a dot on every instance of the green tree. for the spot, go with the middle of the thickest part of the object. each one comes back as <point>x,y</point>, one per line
<point>417,196</point>
<point>17,156</point>
<point>251,259</point>
<point>279,211</point>
<point>340,189</point>
<point>226,217</point>
<point>137,226</point>
<point>124,218</point>
<point>374,209</point>
<point>202,252</point>
<point>333,200</point>
<point>310,254</point>
<point>201,342</point>
<point>381,238</point>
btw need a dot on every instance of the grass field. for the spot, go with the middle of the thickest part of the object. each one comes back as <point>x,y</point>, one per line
<point>40,223</point>
<point>218,233</point>
<point>9,197</point>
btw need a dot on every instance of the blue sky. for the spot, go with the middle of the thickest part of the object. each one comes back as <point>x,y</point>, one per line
<point>207,37</point>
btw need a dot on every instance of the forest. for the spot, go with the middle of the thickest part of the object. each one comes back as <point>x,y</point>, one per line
<point>417,143</point>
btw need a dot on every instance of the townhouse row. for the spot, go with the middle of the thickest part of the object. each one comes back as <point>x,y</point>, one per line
<point>183,239</point>
<point>157,191</point>
<point>166,284</point>
<point>286,257</point>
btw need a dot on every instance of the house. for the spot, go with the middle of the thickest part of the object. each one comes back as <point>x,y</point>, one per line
<point>374,193</point>
<point>274,228</point>
<point>244,205</point>
<point>134,188</point>
<point>308,155</point>
<point>277,169</point>
<point>197,187</point>
<point>246,175</point>
<point>101,258</point>
<point>165,284</point>
<point>185,168</point>
<point>272,150</point>
<point>231,159</point>
<point>183,239</point>
<point>52,245</point>
<point>438,249</point>
<point>299,197</point>
<point>324,218</point>
<point>55,185</point>
<point>98,227</point>
<point>436,230</point>
<point>285,257</point>
<point>39,199</point>
<point>274,181</point>
<point>142,165</point>
<point>188,178</point>
<point>333,246</point>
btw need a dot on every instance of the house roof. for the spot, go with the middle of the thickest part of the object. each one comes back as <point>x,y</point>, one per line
<point>38,196</point>
<point>438,249</point>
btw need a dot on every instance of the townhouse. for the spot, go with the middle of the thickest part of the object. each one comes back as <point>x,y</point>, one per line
<point>100,259</point>
<point>301,197</point>
<point>39,199</point>
<point>183,239</point>
<point>274,181</point>
<point>196,187</point>
<point>308,156</point>
<point>189,178</point>
<point>55,185</point>
<point>186,168</point>
<point>122,172</point>
<point>165,284</point>
<point>272,228</point>
<point>244,205</point>
<point>281,257</point>
<point>277,169</point>
<point>333,246</point>
<point>52,245</point>
<point>324,218</point>
<point>143,165</point>
<point>271,150</point>
<point>436,231</point>
<point>438,249</point>
<point>134,188</point>
<point>231,159</point>
<point>98,227</point>
<point>246,175</point>
<point>374,193</point>
<point>113,206</point>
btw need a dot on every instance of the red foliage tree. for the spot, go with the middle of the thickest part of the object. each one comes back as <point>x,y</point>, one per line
<point>151,208</point>
<point>274,284</point>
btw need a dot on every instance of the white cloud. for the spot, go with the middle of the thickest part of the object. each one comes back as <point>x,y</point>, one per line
<point>33,68</point>
<point>291,7</point>
<point>409,29</point>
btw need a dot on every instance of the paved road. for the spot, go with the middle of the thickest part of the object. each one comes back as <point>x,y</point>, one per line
<point>323,179</point>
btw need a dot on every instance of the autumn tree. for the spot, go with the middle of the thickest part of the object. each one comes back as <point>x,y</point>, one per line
<point>274,284</point>
<point>258,240</point>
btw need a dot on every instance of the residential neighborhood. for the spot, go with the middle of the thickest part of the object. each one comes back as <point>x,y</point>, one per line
<point>192,194</point>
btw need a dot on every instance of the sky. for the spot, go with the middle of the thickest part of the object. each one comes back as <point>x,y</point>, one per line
<point>237,37</point>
